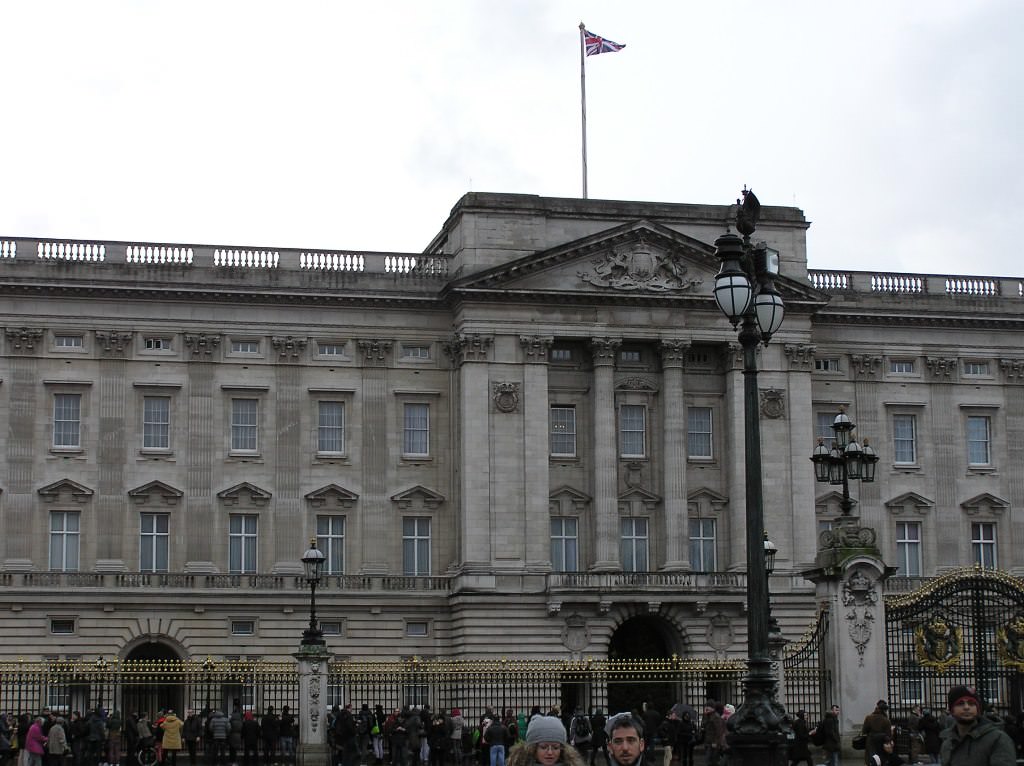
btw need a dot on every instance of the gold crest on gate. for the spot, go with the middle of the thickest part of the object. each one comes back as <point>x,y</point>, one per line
<point>1010,643</point>
<point>938,644</point>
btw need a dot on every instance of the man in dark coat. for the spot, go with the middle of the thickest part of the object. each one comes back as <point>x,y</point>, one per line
<point>800,750</point>
<point>973,739</point>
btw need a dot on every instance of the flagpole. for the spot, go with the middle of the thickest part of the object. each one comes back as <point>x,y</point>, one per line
<point>583,102</point>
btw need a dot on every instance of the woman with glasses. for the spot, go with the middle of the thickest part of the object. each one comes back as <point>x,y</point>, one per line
<point>545,745</point>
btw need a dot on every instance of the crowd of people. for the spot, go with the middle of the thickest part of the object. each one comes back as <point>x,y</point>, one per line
<point>966,734</point>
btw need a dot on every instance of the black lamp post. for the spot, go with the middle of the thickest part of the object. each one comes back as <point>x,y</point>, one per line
<point>313,564</point>
<point>745,293</point>
<point>846,460</point>
<point>770,549</point>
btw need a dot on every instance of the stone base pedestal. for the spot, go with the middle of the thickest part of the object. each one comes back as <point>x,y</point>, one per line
<point>312,718</point>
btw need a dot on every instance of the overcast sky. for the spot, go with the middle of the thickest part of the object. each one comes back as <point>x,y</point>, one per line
<point>895,126</point>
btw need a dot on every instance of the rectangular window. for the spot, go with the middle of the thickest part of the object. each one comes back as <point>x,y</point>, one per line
<point>561,354</point>
<point>67,341</point>
<point>703,547</point>
<point>156,422</point>
<point>331,427</point>
<point>563,431</point>
<point>245,347</point>
<point>979,440</point>
<point>416,430</point>
<point>908,548</point>
<point>330,538</point>
<point>415,629</point>
<point>634,545</point>
<point>62,626</point>
<point>331,627</point>
<point>633,430</point>
<point>153,542</point>
<point>823,428</point>
<point>244,425</point>
<point>64,534</point>
<point>827,364</point>
<point>157,344</point>
<point>983,543</point>
<point>242,543</point>
<point>243,627</point>
<point>904,439</point>
<point>901,366</point>
<point>416,352</point>
<point>415,546</point>
<point>629,356</point>
<point>67,420</point>
<point>565,544</point>
<point>976,368</point>
<point>699,434</point>
<point>330,349</point>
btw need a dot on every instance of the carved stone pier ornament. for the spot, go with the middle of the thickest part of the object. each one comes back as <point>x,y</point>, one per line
<point>506,397</point>
<point>773,403</point>
<point>860,595</point>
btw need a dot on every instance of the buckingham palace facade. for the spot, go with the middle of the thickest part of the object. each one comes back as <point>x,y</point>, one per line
<point>526,440</point>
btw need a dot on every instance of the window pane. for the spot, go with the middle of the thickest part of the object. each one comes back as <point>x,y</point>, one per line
<point>66,420</point>
<point>699,433</point>
<point>823,428</point>
<point>908,548</point>
<point>331,434</point>
<point>156,422</point>
<point>563,431</point>
<point>634,545</point>
<point>243,424</point>
<point>242,540</point>
<point>330,538</point>
<point>904,438</point>
<point>983,543</point>
<point>564,544</point>
<point>632,427</point>
<point>702,545</point>
<point>978,440</point>
<point>415,546</point>
<point>416,432</point>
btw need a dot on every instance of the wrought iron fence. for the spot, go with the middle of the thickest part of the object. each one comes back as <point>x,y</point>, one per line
<point>808,680</point>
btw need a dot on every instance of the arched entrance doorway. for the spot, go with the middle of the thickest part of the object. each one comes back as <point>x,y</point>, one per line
<point>150,696</point>
<point>643,637</point>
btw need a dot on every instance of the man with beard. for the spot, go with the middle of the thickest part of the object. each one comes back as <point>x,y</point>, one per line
<point>973,740</point>
<point>625,740</point>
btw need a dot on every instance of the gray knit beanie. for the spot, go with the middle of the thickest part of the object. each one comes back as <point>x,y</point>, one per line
<point>545,728</point>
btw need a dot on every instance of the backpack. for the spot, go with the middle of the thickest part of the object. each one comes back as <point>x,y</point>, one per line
<point>362,725</point>
<point>583,730</point>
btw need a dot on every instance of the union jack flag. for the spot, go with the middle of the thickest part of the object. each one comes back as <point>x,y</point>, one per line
<point>596,44</point>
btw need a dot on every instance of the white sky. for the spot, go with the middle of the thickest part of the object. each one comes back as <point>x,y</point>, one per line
<point>896,126</point>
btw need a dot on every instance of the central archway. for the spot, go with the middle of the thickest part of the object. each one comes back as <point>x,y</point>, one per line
<point>152,697</point>
<point>644,637</point>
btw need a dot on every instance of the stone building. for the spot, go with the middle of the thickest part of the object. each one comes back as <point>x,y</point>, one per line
<point>524,441</point>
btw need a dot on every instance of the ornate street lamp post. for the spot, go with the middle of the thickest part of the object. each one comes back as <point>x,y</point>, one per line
<point>770,549</point>
<point>846,460</point>
<point>313,565</point>
<point>745,292</point>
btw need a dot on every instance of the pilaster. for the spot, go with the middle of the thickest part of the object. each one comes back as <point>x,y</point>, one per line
<point>674,502</point>
<point>111,452</point>
<point>604,449</point>
<point>288,530</point>
<point>535,405</point>
<point>200,508</point>
<point>374,502</point>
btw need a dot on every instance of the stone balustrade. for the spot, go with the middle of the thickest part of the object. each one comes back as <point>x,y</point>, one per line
<point>893,283</point>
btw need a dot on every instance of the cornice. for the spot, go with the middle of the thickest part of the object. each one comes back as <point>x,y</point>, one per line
<point>944,320</point>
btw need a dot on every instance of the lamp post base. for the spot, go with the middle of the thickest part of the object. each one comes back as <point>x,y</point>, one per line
<point>759,730</point>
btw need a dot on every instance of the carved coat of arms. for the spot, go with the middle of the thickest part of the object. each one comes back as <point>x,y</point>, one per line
<point>1010,643</point>
<point>639,267</point>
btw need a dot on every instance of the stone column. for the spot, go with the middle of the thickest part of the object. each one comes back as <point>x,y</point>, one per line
<point>111,451</point>
<point>201,525</point>
<point>25,526</point>
<point>535,405</point>
<point>849,574</point>
<point>605,449</point>
<point>374,503</point>
<point>312,713</point>
<point>469,352</point>
<point>288,530</point>
<point>673,454</point>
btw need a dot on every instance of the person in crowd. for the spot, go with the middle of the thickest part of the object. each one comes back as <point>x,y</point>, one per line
<point>115,729</point>
<point>170,743</point>
<point>270,731</point>
<point>668,733</point>
<point>287,740</point>
<point>826,733</point>
<point>580,732</point>
<point>251,736</point>
<point>686,740</point>
<point>458,728</point>
<point>800,747</point>
<point>497,739</point>
<point>235,734</point>
<point>885,751</point>
<point>191,733</point>
<point>544,745</point>
<point>625,739</point>
<point>219,729</point>
<point>438,740</point>
<point>713,730</point>
<point>35,743</point>
<point>930,730</point>
<point>876,722</point>
<point>599,737</point>
<point>398,737</point>
<point>56,743</point>
<point>973,739</point>
<point>377,734</point>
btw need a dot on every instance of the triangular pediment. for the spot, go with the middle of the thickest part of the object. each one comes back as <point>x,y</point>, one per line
<point>332,496</point>
<point>704,495</point>
<point>157,493</point>
<point>636,499</point>
<point>638,258</point>
<point>985,503</point>
<point>418,497</point>
<point>567,500</point>
<point>909,502</point>
<point>246,493</point>
<point>78,492</point>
